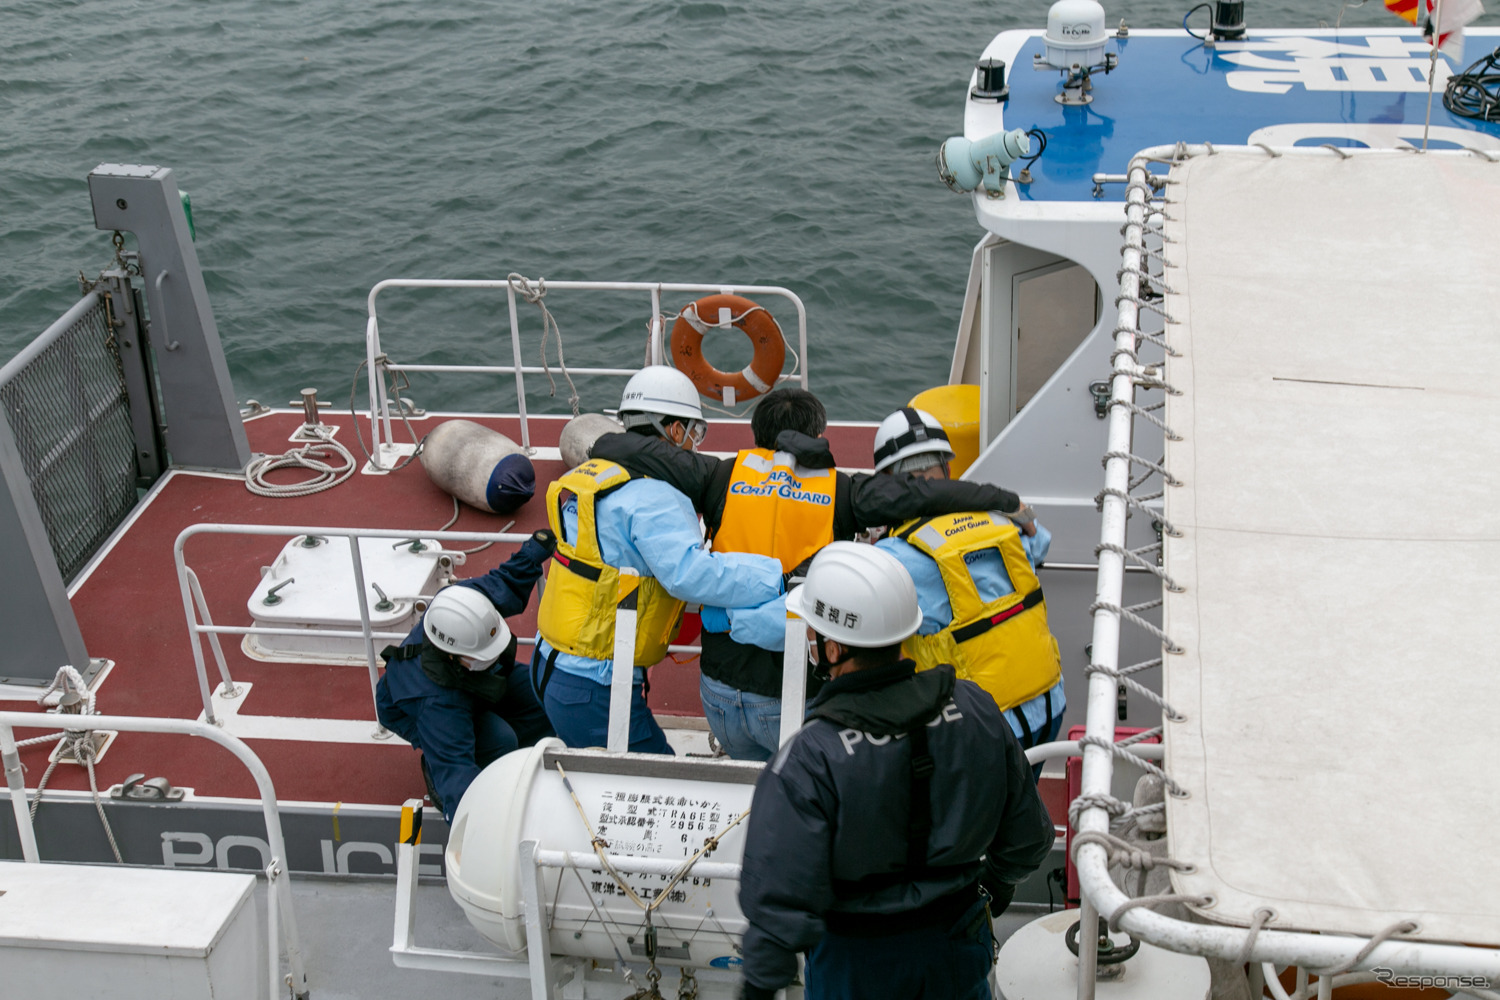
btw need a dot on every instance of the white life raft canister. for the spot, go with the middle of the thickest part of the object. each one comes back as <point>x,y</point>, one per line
<point>483,468</point>
<point>644,806</point>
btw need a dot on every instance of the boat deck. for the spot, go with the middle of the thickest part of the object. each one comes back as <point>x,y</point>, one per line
<point>129,607</point>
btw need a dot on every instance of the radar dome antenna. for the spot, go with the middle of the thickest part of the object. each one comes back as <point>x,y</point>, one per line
<point>1075,42</point>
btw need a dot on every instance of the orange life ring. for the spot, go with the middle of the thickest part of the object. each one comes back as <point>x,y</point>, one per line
<point>697,318</point>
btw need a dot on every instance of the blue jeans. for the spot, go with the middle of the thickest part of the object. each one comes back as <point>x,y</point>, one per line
<point>940,963</point>
<point>579,710</point>
<point>747,726</point>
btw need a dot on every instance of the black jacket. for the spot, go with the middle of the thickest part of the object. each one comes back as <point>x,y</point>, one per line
<point>828,828</point>
<point>860,501</point>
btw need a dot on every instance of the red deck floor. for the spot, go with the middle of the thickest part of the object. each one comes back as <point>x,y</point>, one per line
<point>131,612</point>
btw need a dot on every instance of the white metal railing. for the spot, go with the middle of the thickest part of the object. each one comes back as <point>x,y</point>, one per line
<point>376,361</point>
<point>1100,894</point>
<point>281,920</point>
<point>195,606</point>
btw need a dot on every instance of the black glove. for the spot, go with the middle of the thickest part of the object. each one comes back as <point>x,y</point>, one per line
<point>749,991</point>
<point>1000,893</point>
<point>545,541</point>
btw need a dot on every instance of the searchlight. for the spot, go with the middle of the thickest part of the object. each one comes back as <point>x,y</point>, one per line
<point>965,164</point>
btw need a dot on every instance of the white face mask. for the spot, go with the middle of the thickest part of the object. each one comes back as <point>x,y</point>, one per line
<point>478,665</point>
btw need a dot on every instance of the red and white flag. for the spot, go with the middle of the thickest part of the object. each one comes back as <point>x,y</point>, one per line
<point>1445,17</point>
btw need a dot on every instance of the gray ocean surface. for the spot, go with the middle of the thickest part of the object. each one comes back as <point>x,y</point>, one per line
<point>329,146</point>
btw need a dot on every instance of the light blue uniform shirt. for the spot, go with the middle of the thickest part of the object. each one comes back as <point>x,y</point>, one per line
<point>993,583</point>
<point>651,528</point>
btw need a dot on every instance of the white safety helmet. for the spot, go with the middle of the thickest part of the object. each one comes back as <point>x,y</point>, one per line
<point>908,432</point>
<point>857,595</point>
<point>462,621</point>
<point>658,391</point>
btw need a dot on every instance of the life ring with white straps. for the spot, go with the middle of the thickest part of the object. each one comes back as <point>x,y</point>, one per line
<point>721,312</point>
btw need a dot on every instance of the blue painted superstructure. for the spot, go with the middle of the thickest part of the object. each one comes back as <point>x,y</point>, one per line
<point>1169,87</point>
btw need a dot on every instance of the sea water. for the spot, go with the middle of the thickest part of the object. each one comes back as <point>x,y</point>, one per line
<point>328,146</point>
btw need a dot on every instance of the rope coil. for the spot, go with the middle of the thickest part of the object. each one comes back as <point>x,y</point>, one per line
<point>312,457</point>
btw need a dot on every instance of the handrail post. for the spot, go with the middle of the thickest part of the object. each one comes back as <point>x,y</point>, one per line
<point>15,780</point>
<point>364,621</point>
<point>801,337</point>
<point>658,349</point>
<point>193,635</point>
<point>213,637</point>
<point>515,350</point>
<point>622,680</point>
<point>793,678</point>
<point>375,383</point>
<point>404,933</point>
<point>538,947</point>
<point>1088,949</point>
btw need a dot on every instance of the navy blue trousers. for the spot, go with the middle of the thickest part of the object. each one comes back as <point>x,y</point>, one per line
<point>579,711</point>
<point>929,963</point>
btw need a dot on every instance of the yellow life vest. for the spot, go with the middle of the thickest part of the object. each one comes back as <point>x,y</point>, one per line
<point>1004,646</point>
<point>577,614</point>
<point>776,508</point>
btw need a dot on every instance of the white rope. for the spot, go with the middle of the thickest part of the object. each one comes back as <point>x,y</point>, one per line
<point>75,743</point>
<point>1141,411</point>
<point>1156,467</point>
<point>1399,927</point>
<point>1126,854</point>
<point>311,457</point>
<point>1122,677</point>
<point>1166,526</point>
<point>1170,897</point>
<point>1136,556</point>
<point>535,292</point>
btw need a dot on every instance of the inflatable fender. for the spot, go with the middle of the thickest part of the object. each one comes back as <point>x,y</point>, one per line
<point>483,468</point>
<point>580,433</point>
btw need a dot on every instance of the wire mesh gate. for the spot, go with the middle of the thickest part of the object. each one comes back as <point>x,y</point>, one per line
<point>69,412</point>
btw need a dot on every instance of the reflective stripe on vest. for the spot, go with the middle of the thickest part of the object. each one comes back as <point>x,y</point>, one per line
<point>775,507</point>
<point>1003,645</point>
<point>577,613</point>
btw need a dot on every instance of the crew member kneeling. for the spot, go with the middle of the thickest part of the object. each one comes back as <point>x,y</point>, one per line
<point>872,830</point>
<point>453,690</point>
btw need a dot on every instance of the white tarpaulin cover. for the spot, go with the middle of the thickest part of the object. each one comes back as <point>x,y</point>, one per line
<point>1339,323</point>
